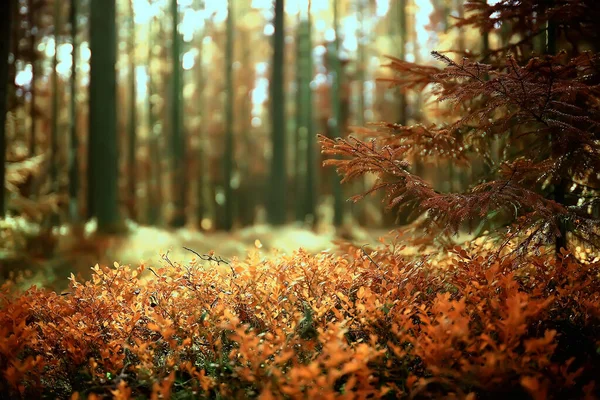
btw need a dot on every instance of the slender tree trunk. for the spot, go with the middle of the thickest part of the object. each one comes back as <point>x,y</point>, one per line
<point>299,151</point>
<point>402,39</point>
<point>202,169</point>
<point>178,139</point>
<point>336,105</point>
<point>311,187</point>
<point>485,44</point>
<point>359,209</point>
<point>15,50</point>
<point>305,153</point>
<point>5,41</point>
<point>246,200</point>
<point>460,173</point>
<point>560,189</point>
<point>153,162</point>
<point>277,200</point>
<point>132,128</point>
<point>460,10</point>
<point>32,91</point>
<point>55,110</point>
<point>103,116</point>
<point>229,116</point>
<point>74,142</point>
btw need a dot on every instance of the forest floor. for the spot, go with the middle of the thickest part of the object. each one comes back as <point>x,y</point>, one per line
<point>145,245</point>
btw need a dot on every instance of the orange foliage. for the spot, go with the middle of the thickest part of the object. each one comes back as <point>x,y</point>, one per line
<point>305,326</point>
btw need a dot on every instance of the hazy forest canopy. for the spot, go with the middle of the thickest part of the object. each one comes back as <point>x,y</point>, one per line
<point>295,199</point>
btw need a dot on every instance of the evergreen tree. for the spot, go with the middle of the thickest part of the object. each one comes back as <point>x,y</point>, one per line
<point>545,109</point>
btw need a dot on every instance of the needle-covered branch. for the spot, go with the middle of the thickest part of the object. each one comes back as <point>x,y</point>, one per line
<point>448,211</point>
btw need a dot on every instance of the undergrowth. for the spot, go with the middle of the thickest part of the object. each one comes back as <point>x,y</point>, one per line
<point>309,326</point>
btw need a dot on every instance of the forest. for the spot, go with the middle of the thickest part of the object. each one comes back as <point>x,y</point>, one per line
<point>290,199</point>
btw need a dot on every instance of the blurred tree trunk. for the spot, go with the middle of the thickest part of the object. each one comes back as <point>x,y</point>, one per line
<point>246,199</point>
<point>201,173</point>
<point>299,155</point>
<point>305,153</point>
<point>461,176</point>
<point>15,49</point>
<point>132,128</point>
<point>359,208</point>
<point>32,88</point>
<point>277,198</point>
<point>154,158</point>
<point>54,157</point>
<point>74,140</point>
<point>5,41</point>
<point>445,168</point>
<point>485,43</point>
<point>336,106</point>
<point>228,218</point>
<point>460,11</point>
<point>178,139</point>
<point>560,188</point>
<point>311,187</point>
<point>402,40</point>
<point>103,117</point>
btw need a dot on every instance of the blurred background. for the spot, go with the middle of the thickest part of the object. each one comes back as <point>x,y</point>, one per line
<point>209,122</point>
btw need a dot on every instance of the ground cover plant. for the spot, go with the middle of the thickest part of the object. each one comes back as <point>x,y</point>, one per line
<point>513,313</point>
<point>310,326</point>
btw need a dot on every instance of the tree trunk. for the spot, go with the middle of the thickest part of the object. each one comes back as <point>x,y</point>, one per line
<point>560,189</point>
<point>132,128</point>
<point>336,106</point>
<point>54,182</point>
<point>299,151</point>
<point>201,172</point>
<point>32,91</point>
<point>103,142</point>
<point>485,44</point>
<point>305,153</point>
<point>178,139</point>
<point>359,208</point>
<point>5,41</point>
<point>402,39</point>
<point>277,198</point>
<point>74,142</point>
<point>228,217</point>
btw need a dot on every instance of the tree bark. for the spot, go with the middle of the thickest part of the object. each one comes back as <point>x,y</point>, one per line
<point>178,139</point>
<point>132,128</point>
<point>336,105</point>
<point>305,152</point>
<point>228,211</point>
<point>103,116</point>
<point>5,41</point>
<point>54,134</point>
<point>74,139</point>
<point>277,200</point>
<point>32,86</point>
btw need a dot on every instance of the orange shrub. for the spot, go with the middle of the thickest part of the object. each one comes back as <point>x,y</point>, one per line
<point>309,326</point>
